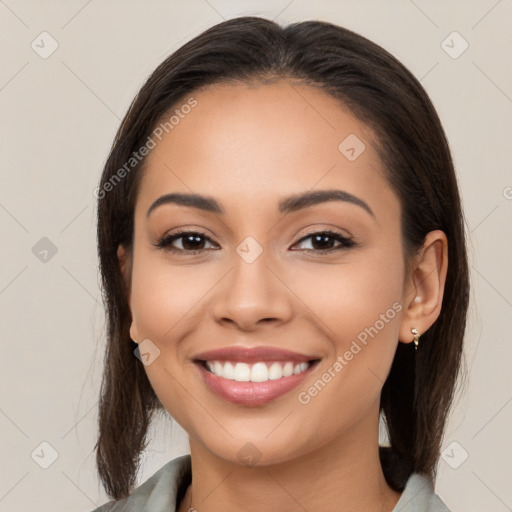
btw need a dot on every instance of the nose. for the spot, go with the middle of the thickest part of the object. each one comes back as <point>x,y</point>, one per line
<point>253,295</point>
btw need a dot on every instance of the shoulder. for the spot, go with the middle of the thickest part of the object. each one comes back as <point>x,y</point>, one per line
<point>157,494</point>
<point>419,496</point>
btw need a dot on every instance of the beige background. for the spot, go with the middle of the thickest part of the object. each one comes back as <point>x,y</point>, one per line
<point>58,118</point>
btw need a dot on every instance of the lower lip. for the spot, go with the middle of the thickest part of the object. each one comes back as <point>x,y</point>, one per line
<point>252,393</point>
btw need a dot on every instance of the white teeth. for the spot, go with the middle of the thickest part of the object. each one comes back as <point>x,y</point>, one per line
<point>288,369</point>
<point>242,372</point>
<point>301,367</point>
<point>275,371</point>
<point>217,367</point>
<point>257,372</point>
<point>228,372</point>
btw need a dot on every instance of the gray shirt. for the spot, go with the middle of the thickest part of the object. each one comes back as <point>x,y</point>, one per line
<point>158,493</point>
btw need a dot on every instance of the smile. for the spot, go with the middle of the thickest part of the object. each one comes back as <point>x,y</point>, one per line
<point>253,384</point>
<point>257,372</point>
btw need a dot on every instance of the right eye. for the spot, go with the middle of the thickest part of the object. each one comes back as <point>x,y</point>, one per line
<point>191,242</point>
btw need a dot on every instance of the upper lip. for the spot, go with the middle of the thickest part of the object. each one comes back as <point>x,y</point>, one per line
<point>253,354</point>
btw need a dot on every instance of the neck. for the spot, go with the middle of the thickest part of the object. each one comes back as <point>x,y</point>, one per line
<point>344,475</point>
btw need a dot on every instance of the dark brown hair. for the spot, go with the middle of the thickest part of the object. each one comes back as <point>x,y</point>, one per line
<point>380,91</point>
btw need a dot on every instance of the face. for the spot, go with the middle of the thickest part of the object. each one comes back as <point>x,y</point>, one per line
<point>323,279</point>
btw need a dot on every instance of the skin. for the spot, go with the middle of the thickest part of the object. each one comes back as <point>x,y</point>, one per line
<point>248,146</point>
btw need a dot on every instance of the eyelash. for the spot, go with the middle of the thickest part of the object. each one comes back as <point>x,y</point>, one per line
<point>166,241</point>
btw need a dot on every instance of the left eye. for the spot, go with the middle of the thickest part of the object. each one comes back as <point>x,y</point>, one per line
<point>323,240</point>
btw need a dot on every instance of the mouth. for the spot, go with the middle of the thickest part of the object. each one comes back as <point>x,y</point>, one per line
<point>261,371</point>
<point>253,377</point>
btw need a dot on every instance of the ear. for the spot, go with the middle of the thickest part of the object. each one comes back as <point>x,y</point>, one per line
<point>125,264</point>
<point>424,289</point>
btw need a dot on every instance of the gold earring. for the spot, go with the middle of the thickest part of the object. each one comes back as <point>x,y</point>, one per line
<point>136,342</point>
<point>416,337</point>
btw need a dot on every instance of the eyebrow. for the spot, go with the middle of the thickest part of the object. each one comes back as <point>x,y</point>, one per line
<point>286,205</point>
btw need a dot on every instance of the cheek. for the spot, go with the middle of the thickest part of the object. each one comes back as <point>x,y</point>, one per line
<point>352,296</point>
<point>164,295</point>
<point>165,300</point>
<point>359,307</point>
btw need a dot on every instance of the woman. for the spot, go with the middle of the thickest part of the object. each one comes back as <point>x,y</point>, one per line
<point>283,259</point>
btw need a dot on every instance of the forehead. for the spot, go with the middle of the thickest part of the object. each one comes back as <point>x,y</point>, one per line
<point>254,141</point>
